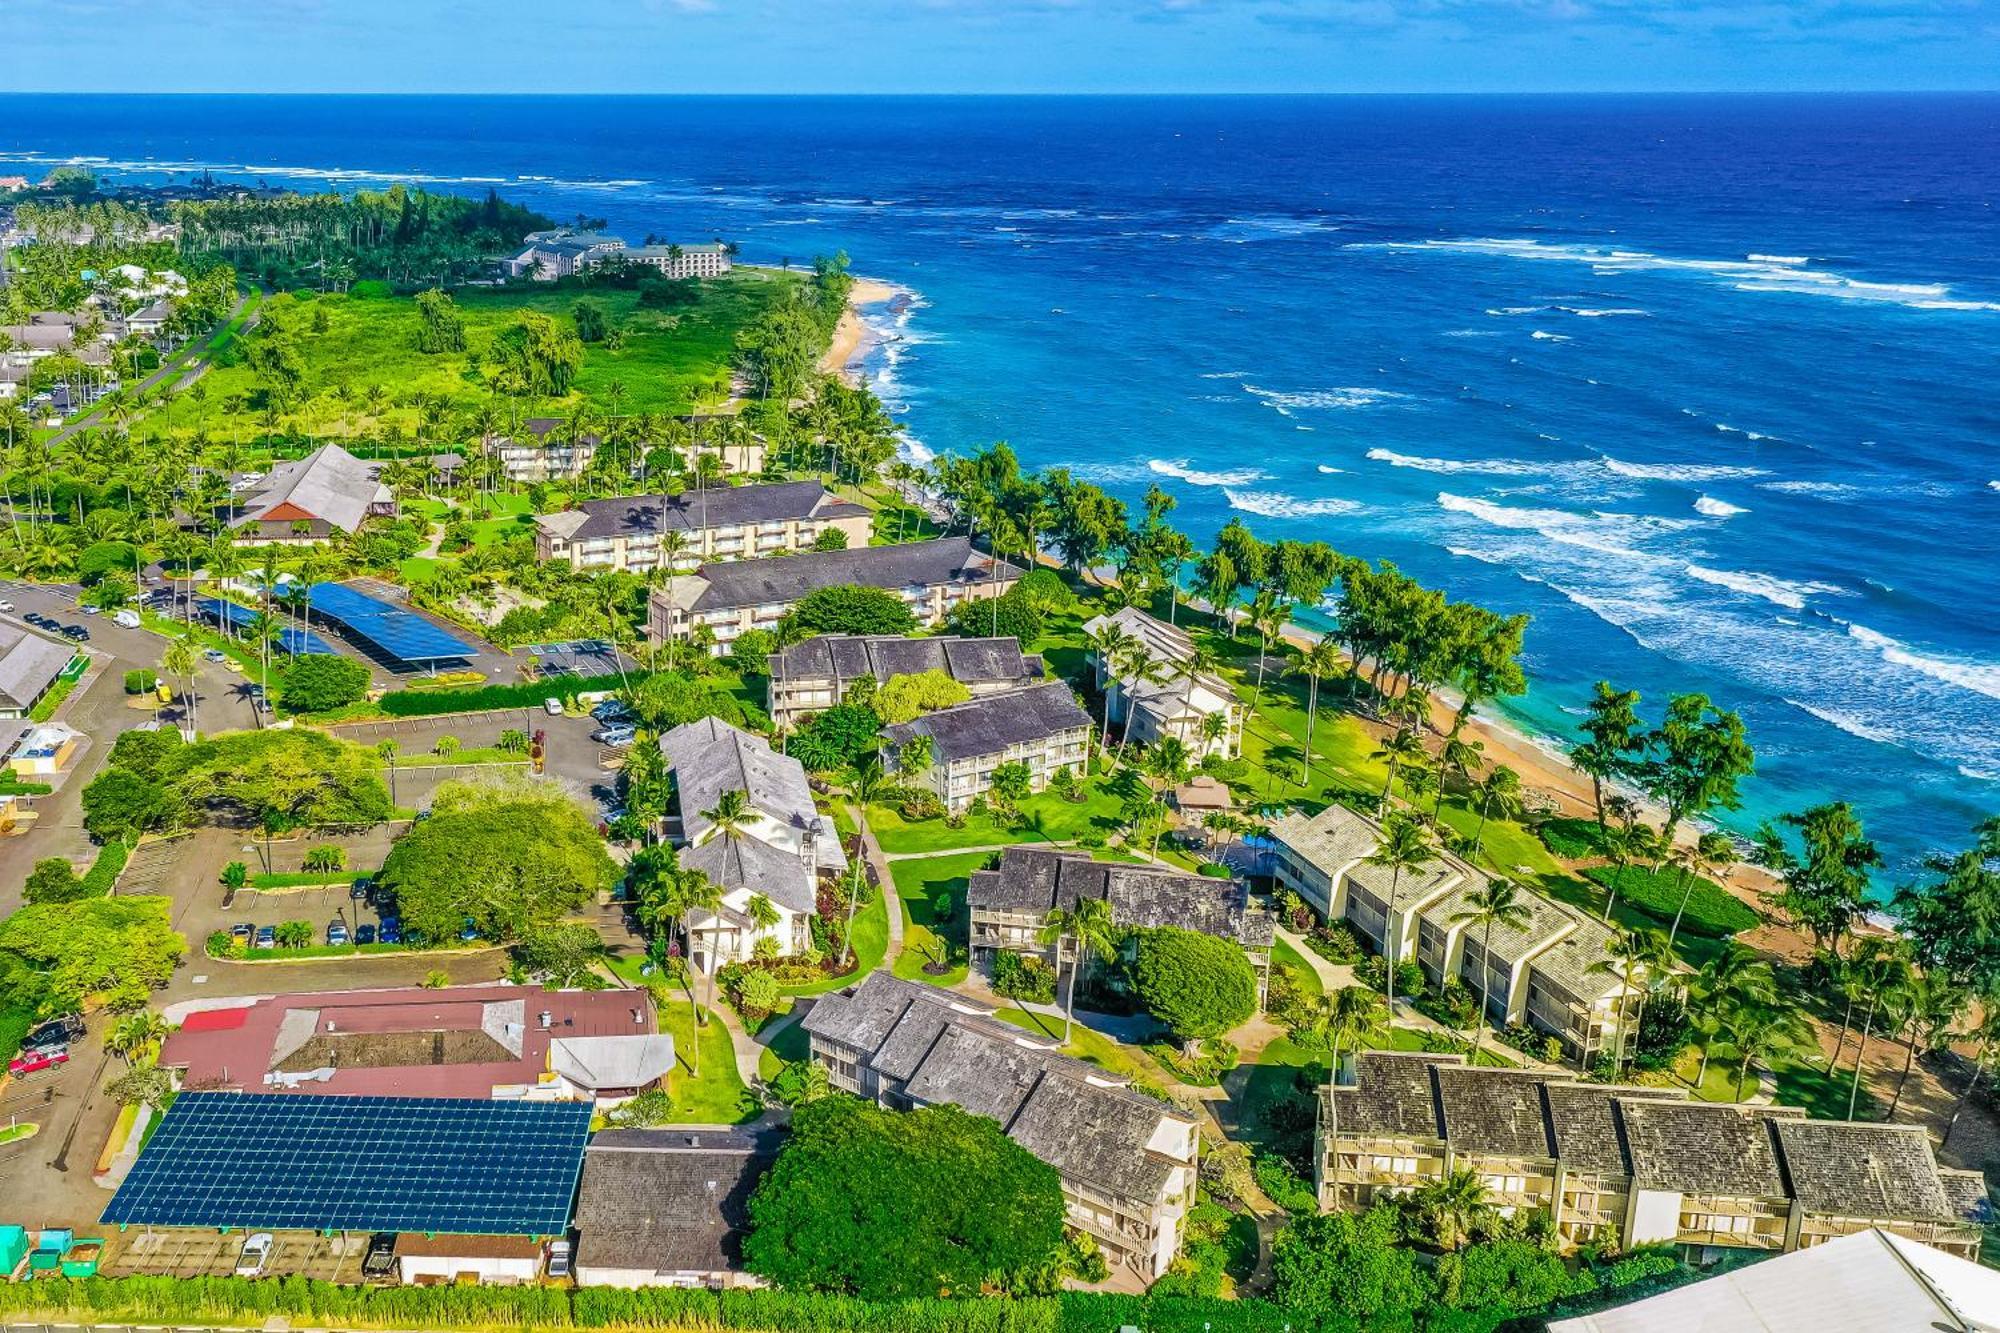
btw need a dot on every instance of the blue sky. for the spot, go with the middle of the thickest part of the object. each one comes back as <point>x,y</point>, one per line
<point>1107,46</point>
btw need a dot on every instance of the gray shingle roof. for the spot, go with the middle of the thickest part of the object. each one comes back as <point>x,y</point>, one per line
<point>751,863</point>
<point>1392,1094</point>
<point>994,722</point>
<point>1036,880</point>
<point>329,483</point>
<point>29,664</point>
<point>1970,1199</point>
<point>669,1200</point>
<point>709,757</point>
<point>1867,1170</point>
<point>1588,1132</point>
<point>944,1048</point>
<point>1571,961</point>
<point>1496,1111</point>
<point>715,507</point>
<point>1702,1148</point>
<point>1334,838</point>
<point>851,656</point>
<point>1546,919</point>
<point>785,579</point>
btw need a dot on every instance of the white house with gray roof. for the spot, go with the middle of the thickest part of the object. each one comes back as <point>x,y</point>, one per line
<point>1179,701</point>
<point>29,665</point>
<point>779,853</point>
<point>1127,1161</point>
<point>309,499</point>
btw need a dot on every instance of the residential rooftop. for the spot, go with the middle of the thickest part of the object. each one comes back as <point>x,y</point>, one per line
<point>691,511</point>
<point>995,722</point>
<point>1037,881</point>
<point>782,580</point>
<point>669,1200</point>
<point>852,656</point>
<point>709,757</point>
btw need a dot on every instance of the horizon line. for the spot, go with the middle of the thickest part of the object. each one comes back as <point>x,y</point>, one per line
<point>1126,95</point>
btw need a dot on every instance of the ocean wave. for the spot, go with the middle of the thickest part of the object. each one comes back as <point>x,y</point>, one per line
<point>1331,471</point>
<point>1605,534</point>
<point>1497,467</point>
<point>1286,403</point>
<point>1993,485</point>
<point>1471,333</point>
<point>1850,724</point>
<point>1830,490</point>
<point>1543,335</point>
<point>1226,375</point>
<point>1783,592</point>
<point>1502,311</point>
<point>1679,471</point>
<point>1746,434</point>
<point>1277,504</point>
<point>1754,273</point>
<point>1178,467</point>
<point>1632,311</point>
<point>1714,508</point>
<point>1979,677</point>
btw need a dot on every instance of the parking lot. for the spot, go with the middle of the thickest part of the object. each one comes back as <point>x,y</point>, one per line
<point>191,1253</point>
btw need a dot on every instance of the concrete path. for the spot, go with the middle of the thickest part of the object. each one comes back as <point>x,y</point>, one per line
<point>1333,976</point>
<point>878,862</point>
<point>182,360</point>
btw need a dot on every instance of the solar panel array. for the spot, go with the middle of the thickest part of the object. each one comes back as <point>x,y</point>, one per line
<point>300,1161</point>
<point>237,620</point>
<point>403,635</point>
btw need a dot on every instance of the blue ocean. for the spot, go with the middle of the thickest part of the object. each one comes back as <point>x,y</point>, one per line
<point>1706,384</point>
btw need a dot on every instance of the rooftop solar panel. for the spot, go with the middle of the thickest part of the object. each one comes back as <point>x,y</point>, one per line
<point>227,614</point>
<point>298,642</point>
<point>401,634</point>
<point>308,1162</point>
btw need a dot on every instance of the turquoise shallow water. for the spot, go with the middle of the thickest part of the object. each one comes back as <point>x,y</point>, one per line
<point>1702,383</point>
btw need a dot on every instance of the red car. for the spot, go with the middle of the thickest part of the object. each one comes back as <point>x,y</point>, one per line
<point>33,1062</point>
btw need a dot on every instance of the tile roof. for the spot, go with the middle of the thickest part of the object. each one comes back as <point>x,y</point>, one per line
<point>1037,880</point>
<point>1496,1111</point>
<point>1866,1170</point>
<point>1702,1148</point>
<point>992,723</point>
<point>714,507</point>
<point>851,656</point>
<point>781,580</point>
<point>709,757</point>
<point>672,1200</point>
<point>943,1048</point>
<point>329,483</point>
<point>1331,840</point>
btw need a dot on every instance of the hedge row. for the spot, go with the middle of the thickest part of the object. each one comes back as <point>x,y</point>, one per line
<point>252,1302</point>
<point>427,703</point>
<point>103,872</point>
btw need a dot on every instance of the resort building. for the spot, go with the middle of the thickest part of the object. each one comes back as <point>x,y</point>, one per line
<point>719,523</point>
<point>545,450</point>
<point>309,499</point>
<point>1640,1164</point>
<point>813,676</point>
<point>1179,701</point>
<point>468,1041</point>
<point>710,259</point>
<point>1551,973</point>
<point>29,667</point>
<point>1127,1161</point>
<point>561,253</point>
<point>731,597</point>
<point>668,1207</point>
<point>1009,905</point>
<point>777,855</point>
<point>1041,726</point>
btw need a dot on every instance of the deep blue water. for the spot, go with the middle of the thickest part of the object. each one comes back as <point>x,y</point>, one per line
<point>1704,383</point>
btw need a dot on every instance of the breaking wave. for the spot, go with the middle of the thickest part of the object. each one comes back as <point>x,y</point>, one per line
<point>1178,467</point>
<point>1784,592</point>
<point>1277,504</point>
<point>1679,471</point>
<point>1715,508</point>
<point>1979,677</point>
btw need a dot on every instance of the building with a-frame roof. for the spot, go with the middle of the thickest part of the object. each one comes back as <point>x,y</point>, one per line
<point>1127,1161</point>
<point>813,676</point>
<point>1176,704</point>
<point>1639,1165</point>
<point>309,499</point>
<point>669,1207</point>
<point>717,523</point>
<point>1041,726</point>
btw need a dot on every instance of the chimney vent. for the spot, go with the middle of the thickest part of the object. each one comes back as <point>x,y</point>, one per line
<point>544,1018</point>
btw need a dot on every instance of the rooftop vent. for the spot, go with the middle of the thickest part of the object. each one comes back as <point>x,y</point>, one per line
<point>543,1018</point>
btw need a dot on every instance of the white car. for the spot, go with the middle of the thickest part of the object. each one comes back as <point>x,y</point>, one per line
<point>256,1253</point>
<point>552,706</point>
<point>127,619</point>
<point>6,605</point>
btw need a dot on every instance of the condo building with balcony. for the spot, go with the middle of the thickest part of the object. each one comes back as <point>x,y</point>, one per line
<point>1041,726</point>
<point>813,676</point>
<point>1178,702</point>
<point>717,523</point>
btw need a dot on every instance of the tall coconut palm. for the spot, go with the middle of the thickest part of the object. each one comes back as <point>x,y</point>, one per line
<point>1091,934</point>
<point>1631,955</point>
<point>1932,1005</point>
<point>1499,793</point>
<point>1986,1034</point>
<point>1764,1032</point>
<point>1268,615</point>
<point>1731,980</point>
<point>1456,755</point>
<point>181,659</point>
<point>1405,845</point>
<point>1886,980</point>
<point>1402,748</point>
<point>763,914</point>
<point>1316,663</point>
<point>697,893</point>
<point>1348,1018</point>
<point>1628,844</point>
<point>1709,854</point>
<point>1500,903</point>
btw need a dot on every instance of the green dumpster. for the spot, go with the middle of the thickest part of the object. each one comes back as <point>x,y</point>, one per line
<point>80,1260</point>
<point>13,1249</point>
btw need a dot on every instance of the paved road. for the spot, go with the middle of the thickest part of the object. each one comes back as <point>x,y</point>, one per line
<point>187,360</point>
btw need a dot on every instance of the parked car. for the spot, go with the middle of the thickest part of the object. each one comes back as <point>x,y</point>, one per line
<point>267,937</point>
<point>75,633</point>
<point>552,706</point>
<point>256,1253</point>
<point>87,608</point>
<point>57,1032</point>
<point>33,1062</point>
<point>336,933</point>
<point>38,620</point>
<point>127,619</point>
<point>558,1258</point>
<point>359,890</point>
<point>6,605</point>
<point>364,935</point>
<point>612,710</point>
<point>392,930</point>
<point>215,655</point>
<point>614,735</point>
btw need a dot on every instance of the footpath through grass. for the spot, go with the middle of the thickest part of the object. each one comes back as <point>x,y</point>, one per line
<point>922,887</point>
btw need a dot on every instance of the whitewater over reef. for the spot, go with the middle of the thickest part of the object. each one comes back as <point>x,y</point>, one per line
<point>1699,383</point>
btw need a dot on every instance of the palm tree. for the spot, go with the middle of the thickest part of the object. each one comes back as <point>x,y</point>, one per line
<point>1706,855</point>
<point>1405,845</point>
<point>1402,748</point>
<point>1628,843</point>
<point>1500,903</point>
<point>1089,929</point>
<point>180,659</point>
<point>1987,1033</point>
<point>1933,1005</point>
<point>1499,790</point>
<point>1764,1032</point>
<point>135,1033</point>
<point>1885,979</point>
<point>1451,1205</point>
<point>1734,979</point>
<point>695,892</point>
<point>1318,661</point>
<point>763,914</point>
<point>1631,953</point>
<point>732,814</point>
<point>1347,1018</point>
<point>1138,667</point>
<point>1268,615</point>
<point>1109,645</point>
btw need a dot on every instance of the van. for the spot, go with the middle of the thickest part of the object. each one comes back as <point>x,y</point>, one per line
<point>127,619</point>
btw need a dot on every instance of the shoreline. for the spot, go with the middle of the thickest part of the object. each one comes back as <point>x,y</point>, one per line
<point>851,336</point>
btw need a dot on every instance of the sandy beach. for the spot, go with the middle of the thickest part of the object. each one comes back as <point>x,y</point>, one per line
<point>850,336</point>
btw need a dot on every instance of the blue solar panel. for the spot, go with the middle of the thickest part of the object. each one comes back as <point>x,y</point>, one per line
<point>301,641</point>
<point>401,634</point>
<point>228,615</point>
<point>300,1161</point>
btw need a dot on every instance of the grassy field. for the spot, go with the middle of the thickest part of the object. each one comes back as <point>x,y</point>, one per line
<point>669,361</point>
<point>1309,982</point>
<point>1086,1044</point>
<point>717,1097</point>
<point>1050,819</point>
<point>927,936</point>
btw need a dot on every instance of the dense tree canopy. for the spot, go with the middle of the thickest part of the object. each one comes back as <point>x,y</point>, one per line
<point>836,737</point>
<point>317,682</point>
<point>1196,984</point>
<point>902,698</point>
<point>289,778</point>
<point>846,610</point>
<point>505,868</point>
<point>890,1205</point>
<point>55,955</point>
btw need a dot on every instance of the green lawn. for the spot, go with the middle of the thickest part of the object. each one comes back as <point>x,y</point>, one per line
<point>717,1097</point>
<point>1085,1044</point>
<point>789,1045</point>
<point>669,360</point>
<point>871,942</point>
<point>1308,979</point>
<point>1050,819</point>
<point>926,936</point>
<point>1257,1088</point>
